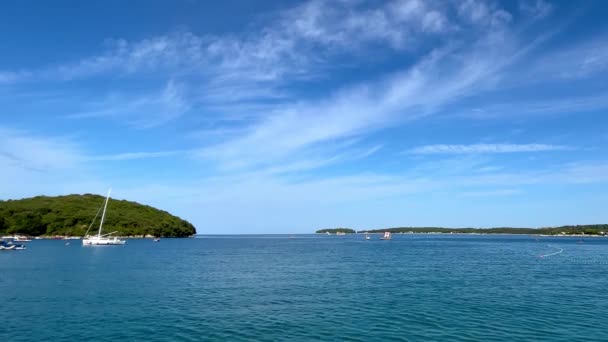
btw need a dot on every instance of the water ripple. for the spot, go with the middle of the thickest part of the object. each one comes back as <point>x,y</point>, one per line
<point>318,288</point>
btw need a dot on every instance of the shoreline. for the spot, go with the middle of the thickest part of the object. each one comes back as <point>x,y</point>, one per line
<point>81,237</point>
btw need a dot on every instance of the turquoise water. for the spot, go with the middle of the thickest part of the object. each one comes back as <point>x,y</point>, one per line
<point>277,288</point>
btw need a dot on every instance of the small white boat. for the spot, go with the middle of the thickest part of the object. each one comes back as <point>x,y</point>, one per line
<point>340,233</point>
<point>327,233</point>
<point>387,236</point>
<point>102,240</point>
<point>9,246</point>
<point>156,240</point>
<point>21,239</point>
<point>18,238</point>
<point>367,237</point>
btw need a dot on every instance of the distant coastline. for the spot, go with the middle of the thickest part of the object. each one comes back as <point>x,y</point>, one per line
<point>50,237</point>
<point>592,230</point>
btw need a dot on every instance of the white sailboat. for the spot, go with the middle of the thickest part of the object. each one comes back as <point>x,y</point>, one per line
<point>102,240</point>
<point>387,236</point>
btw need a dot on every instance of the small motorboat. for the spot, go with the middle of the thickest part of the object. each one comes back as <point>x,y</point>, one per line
<point>367,237</point>
<point>9,246</point>
<point>387,236</point>
<point>156,239</point>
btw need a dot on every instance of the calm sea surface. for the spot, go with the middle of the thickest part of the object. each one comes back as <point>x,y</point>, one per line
<point>308,288</point>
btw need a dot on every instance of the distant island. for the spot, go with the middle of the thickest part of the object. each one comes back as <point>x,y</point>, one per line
<point>71,215</point>
<point>592,229</point>
<point>336,230</point>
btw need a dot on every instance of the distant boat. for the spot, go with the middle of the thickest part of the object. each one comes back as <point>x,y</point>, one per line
<point>21,239</point>
<point>340,233</point>
<point>387,236</point>
<point>102,240</point>
<point>327,233</point>
<point>9,246</point>
<point>156,239</point>
<point>18,238</point>
<point>367,237</point>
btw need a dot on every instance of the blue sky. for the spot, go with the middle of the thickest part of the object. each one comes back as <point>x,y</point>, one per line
<point>286,117</point>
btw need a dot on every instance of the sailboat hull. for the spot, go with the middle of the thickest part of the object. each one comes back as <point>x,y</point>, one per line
<point>102,242</point>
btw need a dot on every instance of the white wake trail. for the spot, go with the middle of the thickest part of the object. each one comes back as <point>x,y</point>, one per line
<point>554,253</point>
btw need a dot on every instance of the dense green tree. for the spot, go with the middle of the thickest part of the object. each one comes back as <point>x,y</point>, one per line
<point>73,214</point>
<point>336,230</point>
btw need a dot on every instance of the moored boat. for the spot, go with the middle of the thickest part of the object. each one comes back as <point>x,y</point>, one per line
<point>10,246</point>
<point>19,238</point>
<point>99,239</point>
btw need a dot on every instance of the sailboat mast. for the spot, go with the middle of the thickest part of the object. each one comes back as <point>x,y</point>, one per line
<point>103,216</point>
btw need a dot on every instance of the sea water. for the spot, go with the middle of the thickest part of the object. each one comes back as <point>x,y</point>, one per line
<point>415,287</point>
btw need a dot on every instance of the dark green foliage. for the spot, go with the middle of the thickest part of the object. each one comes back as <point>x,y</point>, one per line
<point>336,230</point>
<point>593,229</point>
<point>72,214</point>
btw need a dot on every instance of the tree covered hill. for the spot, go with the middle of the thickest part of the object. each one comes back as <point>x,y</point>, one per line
<point>72,215</point>
<point>592,229</point>
<point>336,230</point>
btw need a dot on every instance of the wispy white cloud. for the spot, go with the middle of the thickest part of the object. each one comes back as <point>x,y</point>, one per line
<point>584,172</point>
<point>142,111</point>
<point>236,72</point>
<point>443,76</point>
<point>293,45</point>
<point>537,9</point>
<point>483,13</point>
<point>140,155</point>
<point>22,150</point>
<point>486,148</point>
<point>279,48</point>
<point>491,193</point>
<point>33,164</point>
<point>588,58</point>
<point>570,105</point>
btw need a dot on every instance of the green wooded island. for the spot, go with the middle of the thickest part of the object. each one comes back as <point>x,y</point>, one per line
<point>592,229</point>
<point>71,215</point>
<point>336,230</point>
